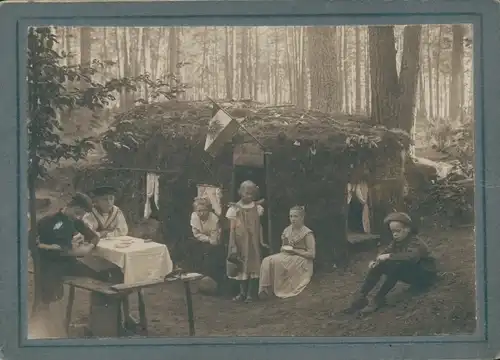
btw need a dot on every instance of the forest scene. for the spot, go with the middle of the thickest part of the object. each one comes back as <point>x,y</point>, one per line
<point>322,111</point>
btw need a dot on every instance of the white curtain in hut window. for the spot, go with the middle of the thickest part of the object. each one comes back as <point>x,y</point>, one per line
<point>152,193</point>
<point>214,194</point>
<point>361,192</point>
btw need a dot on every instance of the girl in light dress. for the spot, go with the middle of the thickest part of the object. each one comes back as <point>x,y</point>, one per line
<point>287,273</point>
<point>245,241</point>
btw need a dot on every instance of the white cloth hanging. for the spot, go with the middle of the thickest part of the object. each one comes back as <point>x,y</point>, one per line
<point>152,193</point>
<point>214,194</point>
<point>361,192</point>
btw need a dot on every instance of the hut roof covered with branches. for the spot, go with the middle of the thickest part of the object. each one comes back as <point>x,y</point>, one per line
<point>272,125</point>
<point>314,155</point>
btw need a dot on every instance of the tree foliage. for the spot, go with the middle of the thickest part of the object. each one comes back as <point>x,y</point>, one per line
<point>49,94</point>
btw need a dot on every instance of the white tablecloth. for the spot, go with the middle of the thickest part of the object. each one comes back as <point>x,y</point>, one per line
<point>141,261</point>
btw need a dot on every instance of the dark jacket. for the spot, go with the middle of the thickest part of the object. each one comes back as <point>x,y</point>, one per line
<point>412,249</point>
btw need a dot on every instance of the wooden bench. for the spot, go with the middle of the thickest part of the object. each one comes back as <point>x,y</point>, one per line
<point>106,300</point>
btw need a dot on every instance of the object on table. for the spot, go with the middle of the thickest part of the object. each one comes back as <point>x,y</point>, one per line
<point>122,246</point>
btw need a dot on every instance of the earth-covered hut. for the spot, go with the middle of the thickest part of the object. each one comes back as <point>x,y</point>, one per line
<point>313,157</point>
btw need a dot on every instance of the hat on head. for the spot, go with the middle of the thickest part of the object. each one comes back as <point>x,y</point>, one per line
<point>103,191</point>
<point>401,217</point>
<point>81,200</point>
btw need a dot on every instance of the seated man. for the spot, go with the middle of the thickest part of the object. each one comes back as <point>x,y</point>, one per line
<point>58,256</point>
<point>407,259</point>
<point>105,217</point>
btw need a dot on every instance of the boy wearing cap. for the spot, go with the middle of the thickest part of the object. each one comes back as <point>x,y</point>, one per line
<point>406,259</point>
<point>105,217</point>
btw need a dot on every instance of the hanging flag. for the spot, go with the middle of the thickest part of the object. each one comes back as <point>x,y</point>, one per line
<point>221,129</point>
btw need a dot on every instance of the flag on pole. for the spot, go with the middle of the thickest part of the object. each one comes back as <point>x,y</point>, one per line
<point>221,129</point>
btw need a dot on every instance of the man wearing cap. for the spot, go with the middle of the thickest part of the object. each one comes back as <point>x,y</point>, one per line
<point>406,259</point>
<point>105,217</point>
<point>58,255</point>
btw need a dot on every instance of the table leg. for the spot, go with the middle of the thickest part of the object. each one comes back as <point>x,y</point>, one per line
<point>189,303</point>
<point>143,321</point>
<point>69,308</point>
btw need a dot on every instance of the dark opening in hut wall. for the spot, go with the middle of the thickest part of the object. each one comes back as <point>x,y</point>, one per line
<point>313,157</point>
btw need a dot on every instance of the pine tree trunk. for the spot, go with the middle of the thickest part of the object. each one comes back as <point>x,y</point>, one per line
<point>432,112</point>
<point>243,62</point>
<point>384,77</point>
<point>227,62</point>
<point>322,55</point>
<point>457,69</point>
<point>257,66</point>
<point>438,73</point>
<point>357,33</point>
<point>408,76</point>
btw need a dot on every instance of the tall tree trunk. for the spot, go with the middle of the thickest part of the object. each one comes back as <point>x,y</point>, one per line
<point>340,69</point>
<point>119,50</point>
<point>233,60</point>
<point>145,58</point>
<point>322,53</point>
<point>430,66</point>
<point>204,66</point>
<point>290,63</point>
<point>105,54</point>
<point>249,68</point>
<point>215,61</point>
<point>85,46</point>
<point>367,81</point>
<point>243,62</point>
<point>301,103</point>
<point>276,66</point>
<point>173,60</point>
<point>422,108</point>
<point>357,33</point>
<point>438,73</point>
<point>126,64</point>
<point>457,69</point>
<point>408,76</point>
<point>257,66</point>
<point>227,65</point>
<point>346,69</point>
<point>384,76</point>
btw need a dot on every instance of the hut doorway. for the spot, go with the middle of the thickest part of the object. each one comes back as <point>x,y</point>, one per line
<point>355,217</point>
<point>358,213</point>
<point>255,174</point>
<point>248,164</point>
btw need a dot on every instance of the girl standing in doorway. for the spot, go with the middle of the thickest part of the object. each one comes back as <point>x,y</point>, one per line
<point>245,241</point>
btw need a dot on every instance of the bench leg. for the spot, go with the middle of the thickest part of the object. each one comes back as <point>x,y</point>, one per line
<point>129,321</point>
<point>143,320</point>
<point>69,308</point>
<point>105,315</point>
<point>189,303</point>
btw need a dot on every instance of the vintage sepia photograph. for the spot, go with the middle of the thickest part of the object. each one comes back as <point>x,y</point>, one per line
<point>250,181</point>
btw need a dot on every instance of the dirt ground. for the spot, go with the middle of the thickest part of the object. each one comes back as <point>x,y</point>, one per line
<point>448,308</point>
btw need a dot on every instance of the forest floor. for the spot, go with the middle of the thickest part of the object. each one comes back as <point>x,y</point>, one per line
<point>448,308</point>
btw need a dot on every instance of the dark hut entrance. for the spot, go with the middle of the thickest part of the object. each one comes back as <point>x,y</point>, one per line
<point>355,217</point>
